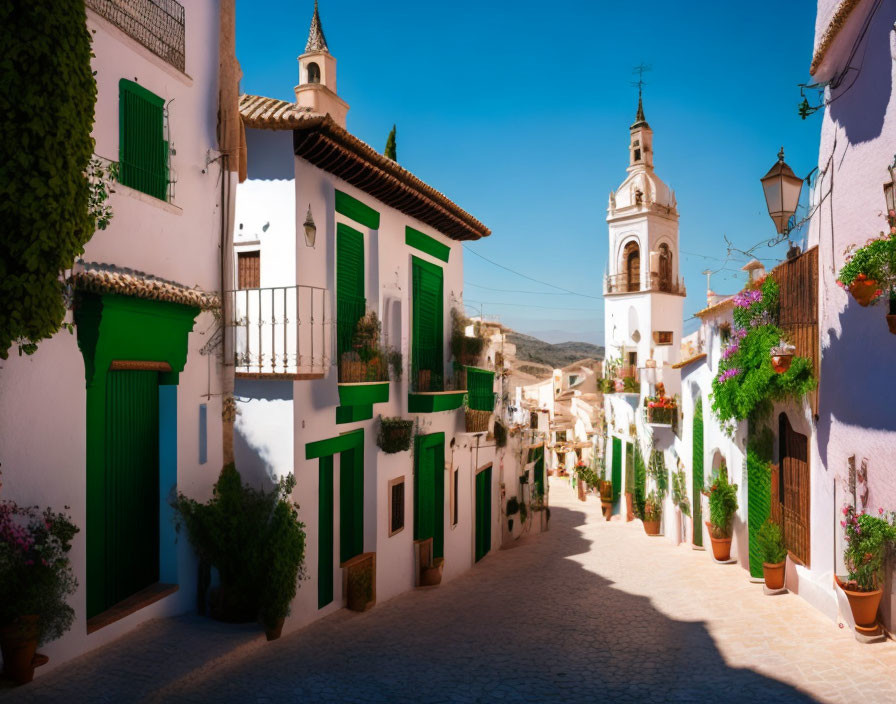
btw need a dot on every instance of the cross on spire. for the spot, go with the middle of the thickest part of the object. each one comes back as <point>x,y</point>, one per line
<point>640,69</point>
<point>316,39</point>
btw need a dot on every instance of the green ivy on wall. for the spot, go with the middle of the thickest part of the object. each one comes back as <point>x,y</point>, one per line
<point>47,97</point>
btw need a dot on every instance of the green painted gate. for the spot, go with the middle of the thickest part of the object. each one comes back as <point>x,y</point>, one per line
<point>616,471</point>
<point>483,513</point>
<point>697,463</point>
<point>129,559</point>
<point>325,531</point>
<point>429,491</point>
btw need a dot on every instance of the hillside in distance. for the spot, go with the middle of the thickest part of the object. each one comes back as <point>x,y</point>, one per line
<point>531,349</point>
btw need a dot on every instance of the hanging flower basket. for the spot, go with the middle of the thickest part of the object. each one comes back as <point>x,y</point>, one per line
<point>864,290</point>
<point>395,435</point>
<point>781,362</point>
<point>476,421</point>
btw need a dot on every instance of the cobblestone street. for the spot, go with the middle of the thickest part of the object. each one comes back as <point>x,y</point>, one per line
<point>590,611</point>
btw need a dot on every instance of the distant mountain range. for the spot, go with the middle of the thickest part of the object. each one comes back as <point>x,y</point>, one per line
<point>531,349</point>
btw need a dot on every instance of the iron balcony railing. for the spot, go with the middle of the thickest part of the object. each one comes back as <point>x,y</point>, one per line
<point>282,330</point>
<point>349,310</point>
<point>156,24</point>
<point>428,372</point>
<point>622,283</point>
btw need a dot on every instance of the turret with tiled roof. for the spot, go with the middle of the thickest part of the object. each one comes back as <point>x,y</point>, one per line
<point>316,91</point>
<point>316,39</point>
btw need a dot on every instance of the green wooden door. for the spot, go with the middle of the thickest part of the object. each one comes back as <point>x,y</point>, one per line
<point>429,491</point>
<point>539,470</point>
<point>483,513</point>
<point>350,301</point>
<point>351,504</point>
<point>129,559</point>
<point>697,462</point>
<point>427,334</point>
<point>616,471</point>
<point>325,531</point>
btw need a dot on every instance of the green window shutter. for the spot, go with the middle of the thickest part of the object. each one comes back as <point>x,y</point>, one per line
<point>142,149</point>
<point>325,532</point>
<point>697,462</point>
<point>427,334</point>
<point>539,470</point>
<point>351,504</point>
<point>350,301</point>
<point>616,472</point>
<point>480,389</point>
<point>483,513</point>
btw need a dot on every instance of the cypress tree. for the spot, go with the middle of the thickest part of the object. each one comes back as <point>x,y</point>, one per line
<point>390,146</point>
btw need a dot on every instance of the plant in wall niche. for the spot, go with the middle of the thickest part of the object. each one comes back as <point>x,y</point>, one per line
<point>722,507</point>
<point>36,579</point>
<point>747,384</point>
<point>45,165</point>
<point>868,540</point>
<point>770,541</point>
<point>394,434</point>
<point>255,541</point>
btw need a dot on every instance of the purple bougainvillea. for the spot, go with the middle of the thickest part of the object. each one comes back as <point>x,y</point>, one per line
<point>731,350</point>
<point>747,298</point>
<point>728,374</point>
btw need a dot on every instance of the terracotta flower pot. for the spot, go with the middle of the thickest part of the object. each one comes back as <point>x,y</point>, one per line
<point>629,508</point>
<point>863,290</point>
<point>721,547</point>
<point>773,572</point>
<point>891,323</point>
<point>607,507</point>
<point>273,632</point>
<point>863,605</point>
<point>652,527</point>
<point>781,362</point>
<point>580,486</point>
<point>18,643</point>
<point>431,576</point>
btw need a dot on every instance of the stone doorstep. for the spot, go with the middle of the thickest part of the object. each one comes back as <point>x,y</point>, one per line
<point>135,602</point>
<point>773,592</point>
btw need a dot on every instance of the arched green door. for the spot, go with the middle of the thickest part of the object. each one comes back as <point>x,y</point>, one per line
<point>697,464</point>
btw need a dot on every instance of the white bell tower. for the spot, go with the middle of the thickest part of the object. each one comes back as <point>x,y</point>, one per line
<point>317,76</point>
<point>643,293</point>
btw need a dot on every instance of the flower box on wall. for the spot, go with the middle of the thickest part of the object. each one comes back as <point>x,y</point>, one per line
<point>435,401</point>
<point>363,393</point>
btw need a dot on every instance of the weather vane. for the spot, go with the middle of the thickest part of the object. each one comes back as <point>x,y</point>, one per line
<point>640,69</point>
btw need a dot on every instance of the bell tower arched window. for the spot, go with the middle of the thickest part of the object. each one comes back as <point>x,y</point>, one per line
<point>313,73</point>
<point>665,266</point>
<point>631,257</point>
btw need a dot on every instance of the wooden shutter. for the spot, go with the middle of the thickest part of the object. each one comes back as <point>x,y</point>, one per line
<point>248,269</point>
<point>131,494</point>
<point>795,490</point>
<point>350,301</point>
<point>697,471</point>
<point>325,531</point>
<point>142,149</point>
<point>427,336</point>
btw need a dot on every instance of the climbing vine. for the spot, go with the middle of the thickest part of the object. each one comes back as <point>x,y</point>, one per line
<point>47,97</point>
<point>747,384</point>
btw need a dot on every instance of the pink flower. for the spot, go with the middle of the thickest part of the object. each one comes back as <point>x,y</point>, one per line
<point>880,512</point>
<point>845,510</point>
<point>843,524</point>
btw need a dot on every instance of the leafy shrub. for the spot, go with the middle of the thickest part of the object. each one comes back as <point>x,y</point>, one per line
<point>513,505</point>
<point>500,434</point>
<point>722,505</point>
<point>876,260</point>
<point>770,540</point>
<point>680,492</point>
<point>394,434</point>
<point>653,507</point>
<point>35,570</point>
<point>867,540</point>
<point>639,488</point>
<point>465,350</point>
<point>255,541</point>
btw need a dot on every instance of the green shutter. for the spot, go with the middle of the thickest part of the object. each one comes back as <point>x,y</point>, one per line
<point>142,149</point>
<point>427,334</point>
<point>350,301</point>
<point>539,470</point>
<point>480,389</point>
<point>640,475</point>
<point>325,531</point>
<point>129,560</point>
<point>697,462</point>
<point>429,490</point>
<point>351,504</point>
<point>616,473</point>
<point>483,513</point>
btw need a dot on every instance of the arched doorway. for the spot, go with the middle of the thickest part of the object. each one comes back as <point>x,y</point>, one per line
<point>697,471</point>
<point>632,260</point>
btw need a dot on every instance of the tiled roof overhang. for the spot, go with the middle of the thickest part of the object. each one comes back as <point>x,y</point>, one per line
<point>320,141</point>
<point>108,278</point>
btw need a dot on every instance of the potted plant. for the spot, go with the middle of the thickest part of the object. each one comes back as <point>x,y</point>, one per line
<point>653,514</point>
<point>466,350</point>
<point>368,361</point>
<point>782,356</point>
<point>722,506</point>
<point>253,538</point>
<point>867,541</point>
<point>394,434</point>
<point>661,409</point>
<point>36,578</point>
<point>359,581</point>
<point>870,269</point>
<point>580,479</point>
<point>774,555</point>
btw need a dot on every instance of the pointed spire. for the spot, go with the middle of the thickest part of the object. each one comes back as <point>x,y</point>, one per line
<point>640,120</point>
<point>316,39</point>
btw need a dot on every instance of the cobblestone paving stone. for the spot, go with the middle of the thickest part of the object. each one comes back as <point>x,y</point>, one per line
<point>589,611</point>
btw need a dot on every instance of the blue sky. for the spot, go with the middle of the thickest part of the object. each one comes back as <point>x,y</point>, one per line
<point>520,111</point>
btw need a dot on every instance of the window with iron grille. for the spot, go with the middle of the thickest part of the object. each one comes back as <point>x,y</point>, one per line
<point>142,147</point>
<point>396,505</point>
<point>156,24</point>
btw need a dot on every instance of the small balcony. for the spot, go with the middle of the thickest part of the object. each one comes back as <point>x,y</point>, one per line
<point>281,332</point>
<point>654,283</point>
<point>431,391</point>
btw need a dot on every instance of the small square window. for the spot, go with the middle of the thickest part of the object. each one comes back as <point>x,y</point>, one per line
<point>663,337</point>
<point>637,155</point>
<point>396,506</point>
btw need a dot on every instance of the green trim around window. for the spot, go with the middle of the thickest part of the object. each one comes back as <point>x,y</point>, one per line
<point>357,211</point>
<point>435,402</point>
<point>425,243</point>
<point>364,393</point>
<point>331,446</point>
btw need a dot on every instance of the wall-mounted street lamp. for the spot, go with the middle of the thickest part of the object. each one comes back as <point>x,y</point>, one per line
<point>310,229</point>
<point>782,193</point>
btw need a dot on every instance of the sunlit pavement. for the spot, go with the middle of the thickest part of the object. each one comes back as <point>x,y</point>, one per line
<point>589,611</point>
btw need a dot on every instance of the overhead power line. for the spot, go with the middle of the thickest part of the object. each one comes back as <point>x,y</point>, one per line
<point>512,290</point>
<point>526,305</point>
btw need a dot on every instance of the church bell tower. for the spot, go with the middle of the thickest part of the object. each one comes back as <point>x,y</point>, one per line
<point>317,75</point>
